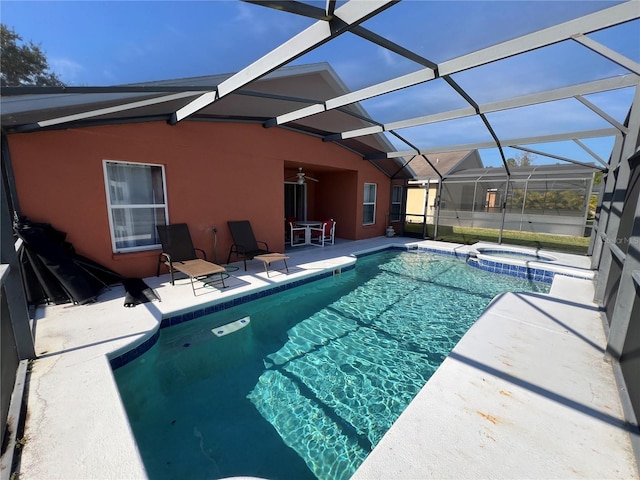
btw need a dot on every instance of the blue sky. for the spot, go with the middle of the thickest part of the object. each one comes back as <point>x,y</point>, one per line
<point>116,42</point>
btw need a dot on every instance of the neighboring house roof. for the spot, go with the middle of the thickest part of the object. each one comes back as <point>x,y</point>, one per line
<point>468,166</point>
<point>282,91</point>
<point>443,163</point>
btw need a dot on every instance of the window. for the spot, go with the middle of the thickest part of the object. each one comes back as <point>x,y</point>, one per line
<point>136,202</point>
<point>369,210</point>
<point>396,203</point>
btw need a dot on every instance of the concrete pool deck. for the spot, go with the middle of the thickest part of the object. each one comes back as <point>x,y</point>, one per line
<point>526,393</point>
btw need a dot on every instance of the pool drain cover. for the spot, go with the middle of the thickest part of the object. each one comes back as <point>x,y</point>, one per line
<point>231,327</point>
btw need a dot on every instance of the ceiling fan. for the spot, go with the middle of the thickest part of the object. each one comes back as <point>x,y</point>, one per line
<point>301,177</point>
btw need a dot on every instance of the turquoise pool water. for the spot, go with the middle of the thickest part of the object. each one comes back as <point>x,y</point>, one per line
<point>312,379</point>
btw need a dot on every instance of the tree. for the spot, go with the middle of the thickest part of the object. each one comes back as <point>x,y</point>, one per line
<point>597,177</point>
<point>23,64</point>
<point>524,159</point>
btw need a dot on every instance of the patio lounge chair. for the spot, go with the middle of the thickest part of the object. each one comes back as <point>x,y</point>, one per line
<point>245,245</point>
<point>179,254</point>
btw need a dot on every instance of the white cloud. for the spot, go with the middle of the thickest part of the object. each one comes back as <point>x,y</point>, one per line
<point>259,21</point>
<point>388,58</point>
<point>111,78</point>
<point>66,69</point>
<point>247,16</point>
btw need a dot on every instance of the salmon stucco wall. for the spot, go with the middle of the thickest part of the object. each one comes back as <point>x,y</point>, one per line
<point>215,172</point>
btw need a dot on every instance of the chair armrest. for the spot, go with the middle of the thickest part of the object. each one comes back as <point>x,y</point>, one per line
<point>318,229</point>
<point>266,247</point>
<point>235,248</point>
<point>167,257</point>
<point>204,254</point>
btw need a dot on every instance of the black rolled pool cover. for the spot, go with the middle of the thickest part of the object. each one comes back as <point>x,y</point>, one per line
<point>57,269</point>
<point>137,292</point>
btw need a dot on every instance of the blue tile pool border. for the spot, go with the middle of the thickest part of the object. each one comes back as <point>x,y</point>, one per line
<point>234,302</point>
<point>519,271</point>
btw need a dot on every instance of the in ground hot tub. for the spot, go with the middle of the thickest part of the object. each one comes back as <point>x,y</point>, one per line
<point>515,262</point>
<point>515,254</point>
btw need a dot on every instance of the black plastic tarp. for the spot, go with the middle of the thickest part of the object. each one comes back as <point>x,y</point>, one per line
<point>53,272</point>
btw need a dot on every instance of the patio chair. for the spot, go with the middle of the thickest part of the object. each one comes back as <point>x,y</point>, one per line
<point>287,231</point>
<point>179,254</point>
<point>298,235</point>
<point>323,234</point>
<point>245,245</point>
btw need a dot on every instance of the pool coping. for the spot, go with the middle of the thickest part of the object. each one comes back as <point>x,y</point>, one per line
<point>531,389</point>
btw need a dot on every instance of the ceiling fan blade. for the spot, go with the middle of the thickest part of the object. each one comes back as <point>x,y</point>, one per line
<point>301,177</point>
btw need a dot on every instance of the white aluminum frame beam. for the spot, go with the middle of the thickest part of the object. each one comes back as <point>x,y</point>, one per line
<point>558,157</point>
<point>357,96</point>
<point>105,111</point>
<point>602,113</point>
<point>317,13</point>
<point>605,132</point>
<point>344,19</point>
<point>608,53</point>
<point>592,22</point>
<point>128,106</point>
<point>614,83</point>
<point>609,17</point>
<point>591,152</point>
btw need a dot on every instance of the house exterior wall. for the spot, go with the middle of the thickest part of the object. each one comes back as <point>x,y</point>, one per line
<point>215,172</point>
<point>416,198</point>
<point>348,215</point>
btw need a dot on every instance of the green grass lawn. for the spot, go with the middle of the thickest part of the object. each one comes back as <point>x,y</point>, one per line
<point>467,236</point>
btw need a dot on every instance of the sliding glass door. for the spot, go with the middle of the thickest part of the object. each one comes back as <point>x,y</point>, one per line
<point>295,201</point>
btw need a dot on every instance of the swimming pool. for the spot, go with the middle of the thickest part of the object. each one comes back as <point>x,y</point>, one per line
<point>312,379</point>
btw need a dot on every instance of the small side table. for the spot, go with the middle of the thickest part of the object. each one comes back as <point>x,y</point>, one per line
<point>267,258</point>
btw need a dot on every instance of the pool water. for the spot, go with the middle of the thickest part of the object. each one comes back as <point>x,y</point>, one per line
<point>312,379</point>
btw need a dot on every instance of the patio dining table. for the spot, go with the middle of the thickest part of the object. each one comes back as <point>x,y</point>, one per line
<point>307,224</point>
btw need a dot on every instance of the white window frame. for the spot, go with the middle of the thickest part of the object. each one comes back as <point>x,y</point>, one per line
<point>111,207</point>
<point>366,203</point>
<point>396,216</point>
